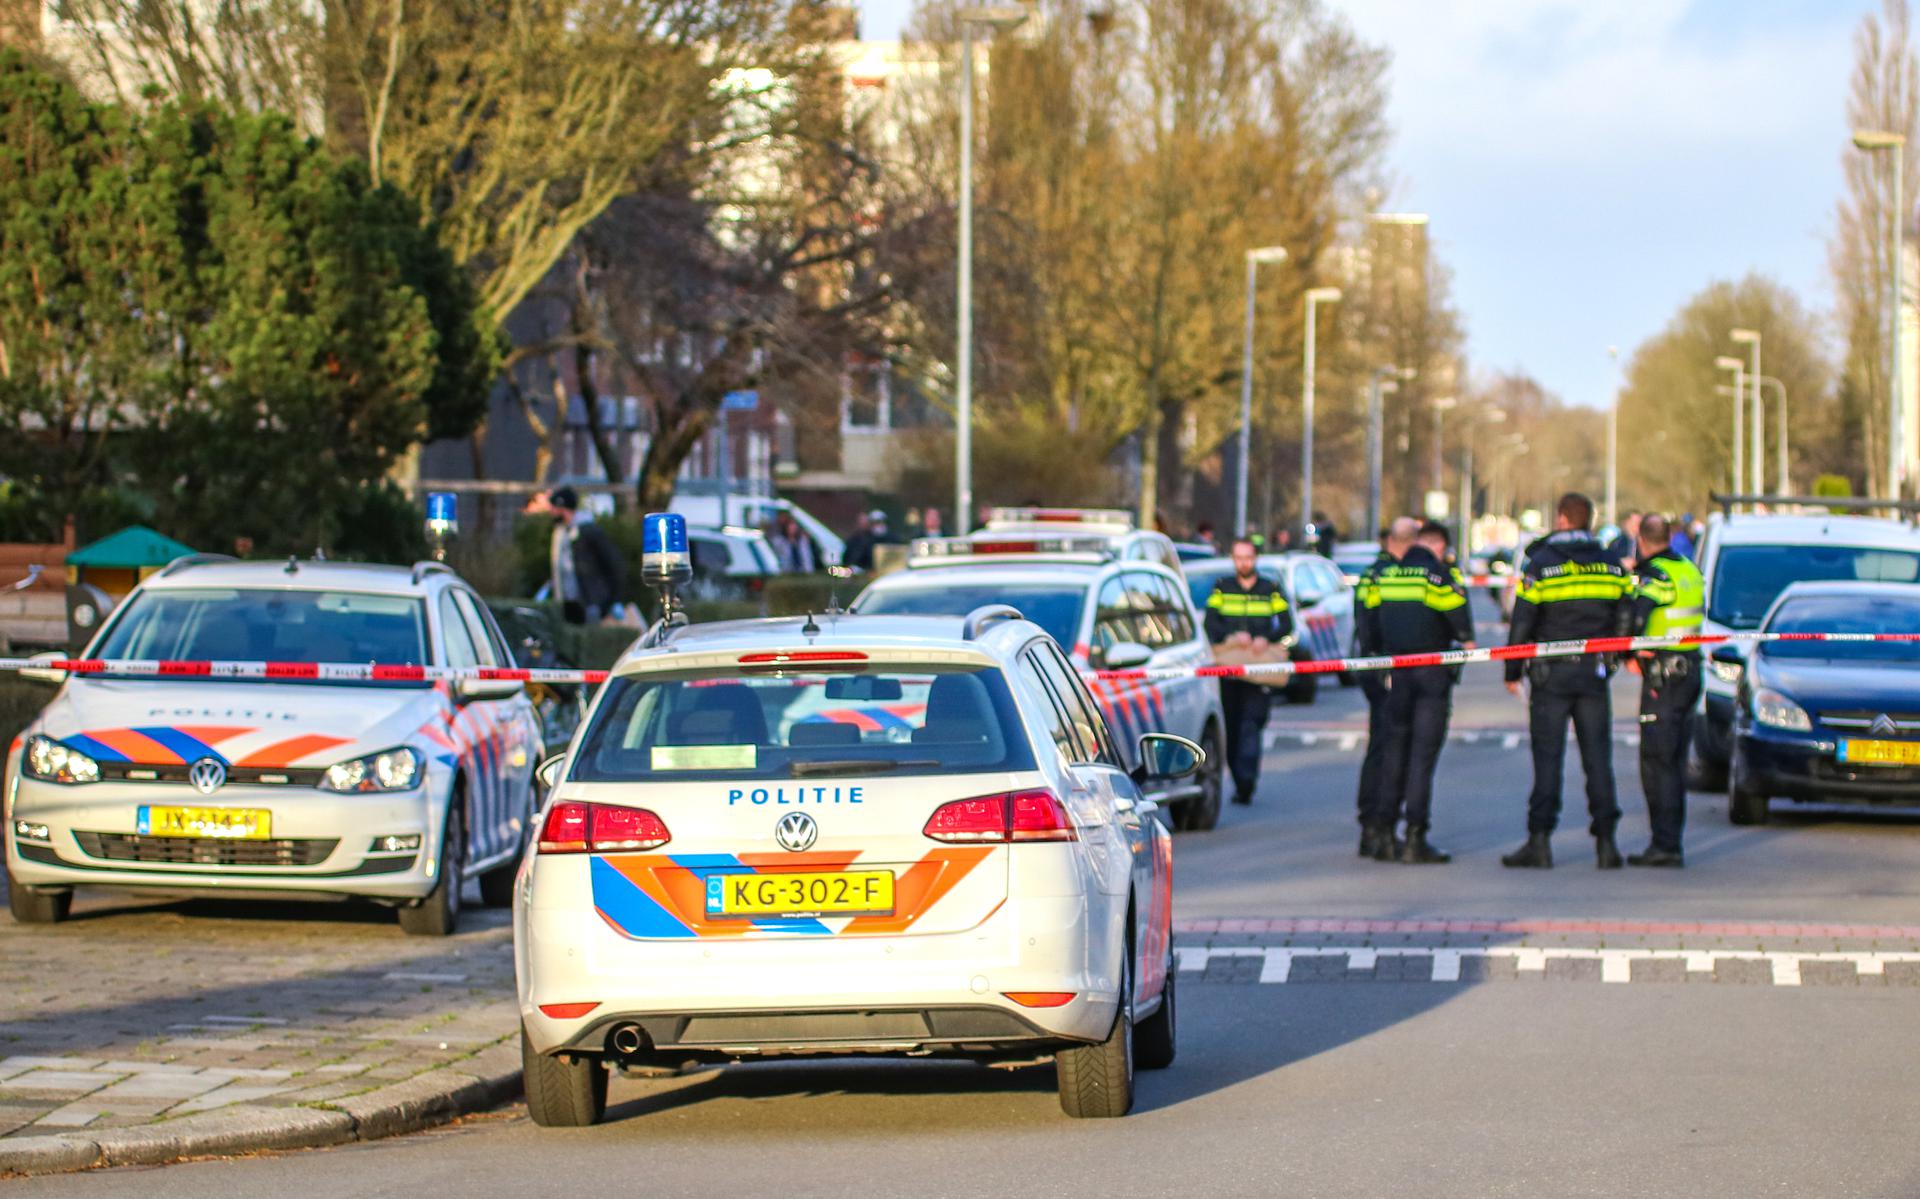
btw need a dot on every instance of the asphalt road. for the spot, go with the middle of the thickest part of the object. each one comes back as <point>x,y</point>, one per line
<point>1353,1079</point>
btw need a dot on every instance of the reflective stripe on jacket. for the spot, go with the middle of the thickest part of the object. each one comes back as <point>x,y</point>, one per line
<point>1671,598</point>
<point>1417,605</point>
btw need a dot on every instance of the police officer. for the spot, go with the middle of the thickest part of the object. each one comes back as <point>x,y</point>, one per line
<point>1572,589</point>
<point>1669,601</point>
<point>1419,607</point>
<point>1246,609</point>
<point>1373,684</point>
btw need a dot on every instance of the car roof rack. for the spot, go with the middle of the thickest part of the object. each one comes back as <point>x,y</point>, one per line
<point>985,617</point>
<point>424,568</point>
<point>1907,509</point>
<point>185,561</point>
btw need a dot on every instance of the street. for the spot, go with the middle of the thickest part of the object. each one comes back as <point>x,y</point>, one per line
<point>1348,1027</point>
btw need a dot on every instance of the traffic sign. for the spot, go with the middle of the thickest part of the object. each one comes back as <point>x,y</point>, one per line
<point>740,401</point>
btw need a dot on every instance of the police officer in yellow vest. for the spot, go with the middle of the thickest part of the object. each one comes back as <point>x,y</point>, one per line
<point>1669,600</point>
<point>1246,609</point>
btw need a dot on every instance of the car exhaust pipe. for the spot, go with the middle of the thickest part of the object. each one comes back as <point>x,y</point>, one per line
<point>628,1039</point>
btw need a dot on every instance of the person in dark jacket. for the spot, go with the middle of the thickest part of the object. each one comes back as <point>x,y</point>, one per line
<point>1419,606</point>
<point>1246,609</point>
<point>586,569</point>
<point>1573,589</point>
<point>1374,684</point>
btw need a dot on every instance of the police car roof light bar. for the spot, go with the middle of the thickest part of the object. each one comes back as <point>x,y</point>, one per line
<point>1114,517</point>
<point>977,546</point>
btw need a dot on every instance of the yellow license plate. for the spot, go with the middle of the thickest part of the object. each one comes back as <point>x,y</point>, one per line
<point>234,824</point>
<point>1881,753</point>
<point>841,893</point>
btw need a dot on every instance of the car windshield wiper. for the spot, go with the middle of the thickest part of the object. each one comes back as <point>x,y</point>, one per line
<point>801,770</point>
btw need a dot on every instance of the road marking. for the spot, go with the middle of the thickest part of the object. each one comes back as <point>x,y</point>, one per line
<point>1349,741</point>
<point>1744,930</point>
<point>424,976</point>
<point>1616,965</point>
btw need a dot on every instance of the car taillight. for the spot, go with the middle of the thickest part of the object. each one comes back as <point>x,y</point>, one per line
<point>600,828</point>
<point>1015,816</point>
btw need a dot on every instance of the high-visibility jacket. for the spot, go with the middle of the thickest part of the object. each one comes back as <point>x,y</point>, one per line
<point>1366,593</point>
<point>1670,597</point>
<point>1571,590</point>
<point>1259,610</point>
<point>1417,605</point>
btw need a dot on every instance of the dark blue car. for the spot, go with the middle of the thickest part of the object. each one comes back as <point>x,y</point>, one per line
<point>1829,721</point>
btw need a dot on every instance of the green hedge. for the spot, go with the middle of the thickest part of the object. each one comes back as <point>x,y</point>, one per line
<point>20,701</point>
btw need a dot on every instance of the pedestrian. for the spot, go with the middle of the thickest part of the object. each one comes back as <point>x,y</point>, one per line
<point>869,529</point>
<point>1683,540</point>
<point>1325,535</point>
<point>1669,601</point>
<point>1248,610</point>
<point>584,565</point>
<point>1418,605</point>
<point>1374,685</point>
<point>793,548</point>
<point>931,525</point>
<point>1572,589</point>
<point>1623,547</point>
<point>1203,535</point>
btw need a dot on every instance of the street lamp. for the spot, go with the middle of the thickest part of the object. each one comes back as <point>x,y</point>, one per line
<point>1874,141</point>
<point>1613,441</point>
<point>1739,368</point>
<point>1757,462</point>
<point>1785,486</point>
<point>996,18</point>
<point>1254,259</point>
<point>1315,295</point>
<point>1385,379</point>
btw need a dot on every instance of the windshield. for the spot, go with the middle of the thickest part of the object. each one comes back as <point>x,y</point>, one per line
<point>241,625</point>
<point>1200,583</point>
<point>1847,614</point>
<point>690,726</point>
<point>1054,607</point>
<point>1748,578</point>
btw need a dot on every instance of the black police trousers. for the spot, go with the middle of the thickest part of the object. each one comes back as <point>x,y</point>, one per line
<point>1414,724</point>
<point>1373,684</point>
<point>1571,689</point>
<point>1246,706</point>
<point>1669,689</point>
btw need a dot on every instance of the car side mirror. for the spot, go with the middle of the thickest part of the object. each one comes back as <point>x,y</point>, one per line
<point>469,690</point>
<point>1728,654</point>
<point>45,674</point>
<point>1165,758</point>
<point>550,771</point>
<point>1127,655</point>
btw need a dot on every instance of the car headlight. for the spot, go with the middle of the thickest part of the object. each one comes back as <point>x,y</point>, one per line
<point>388,770</point>
<point>53,762</point>
<point>1777,711</point>
<point>1728,672</point>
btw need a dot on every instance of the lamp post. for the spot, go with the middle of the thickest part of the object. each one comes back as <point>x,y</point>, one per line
<point>1254,259</point>
<point>996,18</point>
<point>1385,379</point>
<point>1613,442</point>
<point>1315,295</point>
<point>1757,457</point>
<point>1875,141</point>
<point>1728,363</point>
<point>1784,471</point>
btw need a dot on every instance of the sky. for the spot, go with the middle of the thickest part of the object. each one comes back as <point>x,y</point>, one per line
<point>1588,165</point>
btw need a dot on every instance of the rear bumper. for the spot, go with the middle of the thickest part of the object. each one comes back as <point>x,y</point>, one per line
<point>1806,769</point>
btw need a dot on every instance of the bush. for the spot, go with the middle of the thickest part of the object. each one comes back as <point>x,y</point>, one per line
<point>1836,486</point>
<point>20,701</point>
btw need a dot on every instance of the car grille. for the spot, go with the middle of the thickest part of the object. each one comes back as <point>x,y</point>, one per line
<point>135,772</point>
<point>1903,722</point>
<point>205,851</point>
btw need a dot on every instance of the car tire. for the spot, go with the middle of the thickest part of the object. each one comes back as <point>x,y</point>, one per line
<point>1745,804</point>
<point>1154,1041</point>
<point>31,906</point>
<point>1096,1081</point>
<point>1202,812</point>
<point>438,915</point>
<point>496,885</point>
<point>562,1092</point>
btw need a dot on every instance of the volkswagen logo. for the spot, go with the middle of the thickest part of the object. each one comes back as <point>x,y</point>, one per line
<point>1883,724</point>
<point>796,831</point>
<point>207,775</point>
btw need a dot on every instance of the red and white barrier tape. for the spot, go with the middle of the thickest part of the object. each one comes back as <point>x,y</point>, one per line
<point>354,672</point>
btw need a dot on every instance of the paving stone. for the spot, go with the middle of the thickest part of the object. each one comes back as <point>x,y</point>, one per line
<point>1738,970</point>
<point>1573,970</point>
<point>1660,970</point>
<point>1829,974</point>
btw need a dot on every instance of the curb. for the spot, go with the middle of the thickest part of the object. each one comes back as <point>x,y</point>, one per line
<point>486,1079</point>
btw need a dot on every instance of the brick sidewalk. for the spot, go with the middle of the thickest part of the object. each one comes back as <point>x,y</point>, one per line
<point>136,1014</point>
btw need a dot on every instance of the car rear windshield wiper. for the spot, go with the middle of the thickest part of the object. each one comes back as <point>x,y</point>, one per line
<point>802,770</point>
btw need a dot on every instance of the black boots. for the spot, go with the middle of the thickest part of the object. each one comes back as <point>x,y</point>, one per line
<point>1370,839</point>
<point>1657,857</point>
<point>1416,852</point>
<point>1606,853</point>
<point>1536,854</point>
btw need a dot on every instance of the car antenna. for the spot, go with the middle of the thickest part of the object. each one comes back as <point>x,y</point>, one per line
<point>810,629</point>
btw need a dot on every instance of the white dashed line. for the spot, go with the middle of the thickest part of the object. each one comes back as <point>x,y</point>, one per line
<point>1616,965</point>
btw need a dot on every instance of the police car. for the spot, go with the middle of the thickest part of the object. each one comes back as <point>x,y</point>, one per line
<point>855,834</point>
<point>1107,610</point>
<point>395,791</point>
<point>1747,561</point>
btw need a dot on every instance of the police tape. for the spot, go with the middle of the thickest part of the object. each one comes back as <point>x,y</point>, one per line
<point>357,672</point>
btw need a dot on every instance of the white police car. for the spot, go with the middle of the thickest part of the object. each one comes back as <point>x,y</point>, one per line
<point>1107,610</point>
<point>857,835</point>
<point>395,791</point>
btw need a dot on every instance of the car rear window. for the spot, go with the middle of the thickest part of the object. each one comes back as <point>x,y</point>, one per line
<point>1847,614</point>
<point>1054,607</point>
<point>1748,578</point>
<point>268,625</point>
<point>894,720</point>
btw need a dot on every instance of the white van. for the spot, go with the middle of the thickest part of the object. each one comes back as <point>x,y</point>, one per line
<point>756,510</point>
